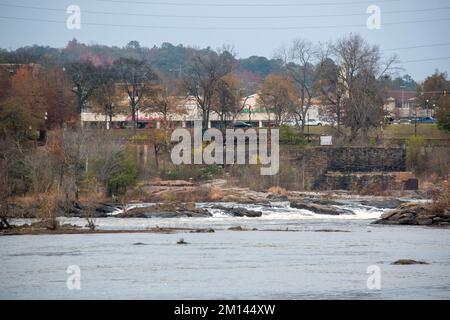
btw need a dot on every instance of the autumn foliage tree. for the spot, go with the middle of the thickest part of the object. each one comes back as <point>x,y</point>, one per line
<point>60,100</point>
<point>22,111</point>
<point>430,94</point>
<point>277,95</point>
<point>443,113</point>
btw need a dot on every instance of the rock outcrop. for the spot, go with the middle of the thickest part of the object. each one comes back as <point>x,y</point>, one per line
<point>408,262</point>
<point>416,214</point>
<point>165,211</point>
<point>319,208</point>
<point>239,212</point>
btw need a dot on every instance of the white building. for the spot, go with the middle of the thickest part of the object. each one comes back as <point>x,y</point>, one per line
<point>188,113</point>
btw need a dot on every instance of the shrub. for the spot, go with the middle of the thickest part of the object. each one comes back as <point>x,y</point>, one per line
<point>123,174</point>
<point>196,172</point>
<point>443,114</point>
<point>415,155</point>
<point>289,135</point>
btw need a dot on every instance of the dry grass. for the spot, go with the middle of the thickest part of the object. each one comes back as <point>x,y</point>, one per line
<point>278,190</point>
<point>215,193</point>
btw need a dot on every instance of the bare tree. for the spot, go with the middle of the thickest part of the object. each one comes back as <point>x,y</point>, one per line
<point>360,72</point>
<point>6,184</point>
<point>106,98</point>
<point>299,63</point>
<point>329,89</point>
<point>84,76</point>
<point>227,97</point>
<point>165,100</point>
<point>165,103</point>
<point>74,147</point>
<point>201,80</point>
<point>137,79</point>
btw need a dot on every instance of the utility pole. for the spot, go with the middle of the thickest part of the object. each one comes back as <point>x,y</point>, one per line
<point>308,124</point>
<point>180,71</point>
<point>415,121</point>
<point>403,97</point>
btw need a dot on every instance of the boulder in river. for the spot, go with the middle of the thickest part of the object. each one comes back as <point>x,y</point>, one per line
<point>181,241</point>
<point>408,262</point>
<point>320,208</point>
<point>416,214</point>
<point>165,211</point>
<point>106,208</point>
<point>240,212</point>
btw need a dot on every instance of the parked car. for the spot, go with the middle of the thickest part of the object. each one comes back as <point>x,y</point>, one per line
<point>314,122</point>
<point>289,123</point>
<point>310,122</point>
<point>241,124</point>
<point>425,120</point>
<point>403,121</point>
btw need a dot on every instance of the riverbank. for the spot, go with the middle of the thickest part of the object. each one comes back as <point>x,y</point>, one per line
<point>217,199</point>
<point>74,229</point>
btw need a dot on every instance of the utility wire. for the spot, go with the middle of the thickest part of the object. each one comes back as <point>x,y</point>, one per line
<point>425,60</point>
<point>223,28</point>
<point>419,46</point>
<point>199,4</point>
<point>222,17</point>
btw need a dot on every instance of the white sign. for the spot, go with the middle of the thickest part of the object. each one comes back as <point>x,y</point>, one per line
<point>326,140</point>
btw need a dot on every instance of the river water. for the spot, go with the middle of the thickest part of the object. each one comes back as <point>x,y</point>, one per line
<point>304,262</point>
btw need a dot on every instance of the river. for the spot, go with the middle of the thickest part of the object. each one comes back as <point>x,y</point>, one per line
<point>292,255</point>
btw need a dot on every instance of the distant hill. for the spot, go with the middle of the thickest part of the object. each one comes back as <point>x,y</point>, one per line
<point>168,58</point>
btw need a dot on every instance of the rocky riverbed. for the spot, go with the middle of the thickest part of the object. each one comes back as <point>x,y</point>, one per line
<point>169,199</point>
<point>184,196</point>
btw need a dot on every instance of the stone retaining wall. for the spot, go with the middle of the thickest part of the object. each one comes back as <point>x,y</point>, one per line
<point>350,168</point>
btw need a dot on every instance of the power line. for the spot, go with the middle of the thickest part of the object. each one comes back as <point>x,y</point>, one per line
<point>222,28</point>
<point>425,60</point>
<point>419,46</point>
<point>198,4</point>
<point>223,17</point>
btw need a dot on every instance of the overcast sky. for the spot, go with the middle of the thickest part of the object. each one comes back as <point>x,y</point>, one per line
<point>254,27</point>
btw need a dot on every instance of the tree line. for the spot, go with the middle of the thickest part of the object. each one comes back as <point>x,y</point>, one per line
<point>348,76</point>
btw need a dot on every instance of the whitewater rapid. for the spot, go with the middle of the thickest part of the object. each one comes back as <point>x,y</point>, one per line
<point>283,210</point>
